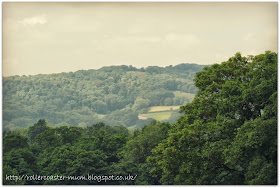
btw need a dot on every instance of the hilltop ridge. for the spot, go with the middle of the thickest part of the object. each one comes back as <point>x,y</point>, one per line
<point>116,95</point>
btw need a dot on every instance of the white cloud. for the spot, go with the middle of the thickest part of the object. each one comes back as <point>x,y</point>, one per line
<point>41,19</point>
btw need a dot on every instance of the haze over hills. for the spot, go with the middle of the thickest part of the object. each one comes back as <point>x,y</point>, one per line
<point>116,95</point>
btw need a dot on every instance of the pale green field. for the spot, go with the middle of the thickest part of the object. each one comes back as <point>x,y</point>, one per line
<point>160,116</point>
<point>100,116</point>
<point>162,108</point>
<point>183,94</point>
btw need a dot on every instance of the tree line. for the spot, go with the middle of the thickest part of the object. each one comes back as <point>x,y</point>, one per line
<point>90,96</point>
<point>226,136</point>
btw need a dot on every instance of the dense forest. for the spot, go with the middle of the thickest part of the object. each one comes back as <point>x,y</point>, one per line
<point>227,135</point>
<point>116,95</point>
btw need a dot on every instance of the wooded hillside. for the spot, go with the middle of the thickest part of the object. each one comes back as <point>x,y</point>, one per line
<point>116,95</point>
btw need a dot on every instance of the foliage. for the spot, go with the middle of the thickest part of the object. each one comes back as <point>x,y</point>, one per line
<point>138,148</point>
<point>228,134</point>
<point>82,97</point>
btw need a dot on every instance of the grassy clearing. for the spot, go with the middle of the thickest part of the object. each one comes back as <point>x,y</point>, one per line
<point>183,94</point>
<point>162,108</point>
<point>100,116</point>
<point>160,116</point>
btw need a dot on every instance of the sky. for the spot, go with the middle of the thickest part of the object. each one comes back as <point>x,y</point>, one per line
<point>44,38</point>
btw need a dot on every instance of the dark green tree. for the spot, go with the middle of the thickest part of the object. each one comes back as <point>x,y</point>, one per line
<point>36,129</point>
<point>227,135</point>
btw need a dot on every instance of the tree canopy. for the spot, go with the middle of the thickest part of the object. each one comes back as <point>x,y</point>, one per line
<point>115,95</point>
<point>228,134</point>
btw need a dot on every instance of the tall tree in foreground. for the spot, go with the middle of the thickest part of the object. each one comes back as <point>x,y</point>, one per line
<point>133,156</point>
<point>228,134</point>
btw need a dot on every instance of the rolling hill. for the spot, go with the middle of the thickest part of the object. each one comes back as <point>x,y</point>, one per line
<point>116,95</point>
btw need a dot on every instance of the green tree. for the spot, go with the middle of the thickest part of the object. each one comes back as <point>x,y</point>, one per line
<point>36,129</point>
<point>137,149</point>
<point>18,159</point>
<point>13,140</point>
<point>227,135</point>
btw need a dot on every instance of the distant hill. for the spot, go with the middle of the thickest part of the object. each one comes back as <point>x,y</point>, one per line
<point>116,95</point>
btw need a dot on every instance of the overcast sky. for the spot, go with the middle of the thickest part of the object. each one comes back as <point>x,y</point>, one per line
<point>63,37</point>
